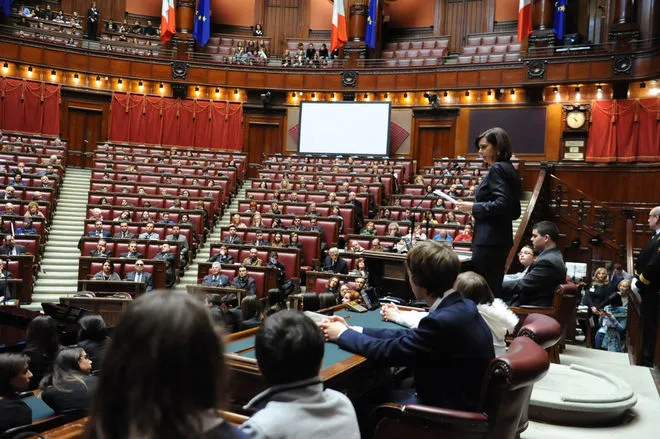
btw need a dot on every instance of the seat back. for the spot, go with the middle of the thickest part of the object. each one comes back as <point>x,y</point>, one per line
<point>543,329</point>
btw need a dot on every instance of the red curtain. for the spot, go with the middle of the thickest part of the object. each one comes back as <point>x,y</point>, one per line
<point>624,131</point>
<point>183,122</point>
<point>29,106</point>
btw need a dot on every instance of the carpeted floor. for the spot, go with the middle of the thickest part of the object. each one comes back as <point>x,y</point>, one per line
<point>644,419</point>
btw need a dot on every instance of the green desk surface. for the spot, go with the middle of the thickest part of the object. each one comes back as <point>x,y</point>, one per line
<point>333,353</point>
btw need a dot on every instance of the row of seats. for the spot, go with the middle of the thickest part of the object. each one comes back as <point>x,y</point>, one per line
<point>155,187</point>
<point>233,41</point>
<point>289,257</point>
<point>428,62</point>
<point>109,213</point>
<point>159,150</point>
<point>265,277</point>
<point>490,40</point>
<point>442,43</point>
<point>347,212</point>
<point>317,197</point>
<point>482,59</point>
<point>497,48</point>
<point>119,246</point>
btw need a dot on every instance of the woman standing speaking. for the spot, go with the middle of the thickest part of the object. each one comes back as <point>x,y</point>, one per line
<point>496,205</point>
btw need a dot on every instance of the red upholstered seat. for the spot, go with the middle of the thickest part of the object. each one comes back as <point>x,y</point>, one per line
<point>260,278</point>
<point>488,40</point>
<point>320,284</point>
<point>504,39</point>
<point>484,49</point>
<point>428,44</point>
<point>473,41</point>
<point>499,57</point>
<point>416,44</point>
<point>469,50</point>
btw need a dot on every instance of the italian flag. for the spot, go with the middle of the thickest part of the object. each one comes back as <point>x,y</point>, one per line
<point>524,19</point>
<point>339,37</point>
<point>167,25</point>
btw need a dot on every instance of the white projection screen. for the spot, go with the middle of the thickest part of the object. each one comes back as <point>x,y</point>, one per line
<point>346,128</point>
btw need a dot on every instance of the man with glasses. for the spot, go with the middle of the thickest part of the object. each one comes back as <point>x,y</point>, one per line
<point>139,275</point>
<point>647,284</point>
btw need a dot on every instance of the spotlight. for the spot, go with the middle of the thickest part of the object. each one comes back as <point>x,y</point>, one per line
<point>433,100</point>
<point>599,92</point>
<point>98,80</point>
<point>641,84</point>
<point>366,95</point>
<point>332,95</point>
<point>600,88</point>
<point>29,71</point>
<point>313,95</point>
<point>53,73</point>
<point>405,95</point>
<point>235,91</point>
<point>555,90</point>
<point>513,92</point>
<point>5,66</point>
<point>76,77</point>
<point>490,92</point>
<point>197,90</point>
<point>446,93</point>
<point>217,91</point>
<point>161,86</point>
<point>120,83</point>
<point>293,95</point>
<point>467,94</point>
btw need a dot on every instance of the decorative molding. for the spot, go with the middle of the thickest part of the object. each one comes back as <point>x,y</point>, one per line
<point>179,70</point>
<point>217,28</point>
<point>141,18</point>
<point>510,26</point>
<point>622,64</point>
<point>410,32</point>
<point>440,113</point>
<point>320,34</point>
<point>536,69</point>
<point>261,110</point>
<point>349,78</point>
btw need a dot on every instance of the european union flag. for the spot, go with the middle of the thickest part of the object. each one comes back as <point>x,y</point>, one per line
<point>6,6</point>
<point>560,18</point>
<point>202,29</point>
<point>370,38</point>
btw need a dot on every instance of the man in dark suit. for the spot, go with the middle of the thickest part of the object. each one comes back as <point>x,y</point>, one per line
<point>215,278</point>
<point>170,261</point>
<point>179,239</point>
<point>222,256</point>
<point>260,240</point>
<point>646,283</point>
<point>359,214</point>
<point>245,282</point>
<point>298,225</point>
<point>101,251</point>
<point>123,232</point>
<point>334,263</point>
<point>139,275</point>
<point>6,290</point>
<point>98,231</point>
<point>448,352</point>
<point>132,252</point>
<point>537,286</point>
<point>314,227</point>
<point>11,248</point>
<point>232,238</point>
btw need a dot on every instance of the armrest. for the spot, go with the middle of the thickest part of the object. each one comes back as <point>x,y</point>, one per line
<point>442,414</point>
<point>528,309</point>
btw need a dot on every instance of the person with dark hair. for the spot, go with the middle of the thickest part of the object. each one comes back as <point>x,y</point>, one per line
<point>245,282</point>
<point>526,256</point>
<point>333,287</point>
<point>15,376</point>
<point>41,346</point>
<point>251,312</point>
<point>101,250</point>
<point>327,300</point>
<point>448,352</point>
<point>274,262</point>
<point>138,397</point>
<point>70,385</point>
<point>496,205</point>
<point>289,349</point>
<point>537,286</point>
<point>92,22</point>
<point>93,337</point>
<point>107,271</point>
<point>222,256</point>
<point>310,302</point>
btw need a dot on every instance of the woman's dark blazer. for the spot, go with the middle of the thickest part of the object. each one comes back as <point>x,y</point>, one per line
<point>497,204</point>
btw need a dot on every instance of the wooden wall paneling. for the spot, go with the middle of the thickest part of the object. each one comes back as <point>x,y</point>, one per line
<point>236,78</point>
<point>217,77</point>
<point>368,82</point>
<point>432,134</point>
<point>579,70</point>
<point>197,75</point>
<point>276,80</point>
<point>556,72</point>
<point>386,82</point>
<point>142,70</point>
<point>294,82</point>
<point>163,72</point>
<point>77,61</point>
<point>285,19</point>
<point>439,11</point>
<point>54,58</point>
<point>263,132</point>
<point>468,78</point>
<point>313,82</point>
<point>119,67</point>
<point>513,76</point>
<point>553,127</point>
<point>99,64</point>
<point>405,82</point>
<point>333,82</point>
<point>464,17</point>
<point>425,82</point>
<point>79,114</point>
<point>446,79</point>
<point>31,55</point>
<point>463,145</point>
<point>490,77</point>
<point>256,80</point>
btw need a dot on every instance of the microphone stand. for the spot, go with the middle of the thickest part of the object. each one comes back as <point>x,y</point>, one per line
<point>413,219</point>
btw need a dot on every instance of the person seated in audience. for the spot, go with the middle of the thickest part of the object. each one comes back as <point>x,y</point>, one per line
<point>335,212</point>
<point>215,278</point>
<point>275,208</point>
<point>180,240</point>
<point>123,230</point>
<point>393,229</point>
<point>33,211</point>
<point>258,31</point>
<point>465,235</point>
<point>10,193</point>
<point>309,53</point>
<point>323,51</point>
<point>332,198</point>
<point>20,169</point>
<point>149,30</point>
<point>93,337</point>
<point>312,211</point>
<point>296,394</point>
<point>110,26</point>
<point>537,286</point>
<point>11,248</point>
<point>257,221</point>
<point>333,288</point>
<point>149,232</point>
<point>416,235</point>
<point>612,324</point>
<point>369,229</point>
<point>253,260</point>
<point>347,294</point>
<point>245,282</point>
<point>182,335</point>
<point>41,345</point>
<point>429,219</point>
<point>166,255</point>
<point>223,256</point>
<point>360,269</point>
<point>375,245</point>
<point>385,214</point>
<point>45,182</point>
<point>451,219</point>
<point>298,225</point>
<point>70,385</point>
<point>17,181</point>
<point>259,239</point>
<point>15,377</point>
<point>360,284</point>
<point>356,247</point>
<point>27,228</point>
<point>274,262</point>
<point>251,312</point>
<point>184,220</point>
<point>278,241</point>
<point>231,316</point>
<point>277,224</point>
<point>96,215</point>
<point>165,218</point>
<point>525,257</point>
<point>236,221</point>
<point>449,351</point>
<point>107,272</point>
<point>6,290</point>
<point>333,263</point>
<point>232,237</point>
<point>310,302</point>
<point>27,12</point>
<point>101,250</point>
<point>294,242</point>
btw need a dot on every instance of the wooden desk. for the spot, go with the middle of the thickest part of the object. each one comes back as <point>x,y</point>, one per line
<point>340,370</point>
<point>110,287</point>
<point>200,291</point>
<point>388,271</point>
<point>110,308</point>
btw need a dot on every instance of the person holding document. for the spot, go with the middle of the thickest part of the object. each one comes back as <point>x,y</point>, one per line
<point>496,205</point>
